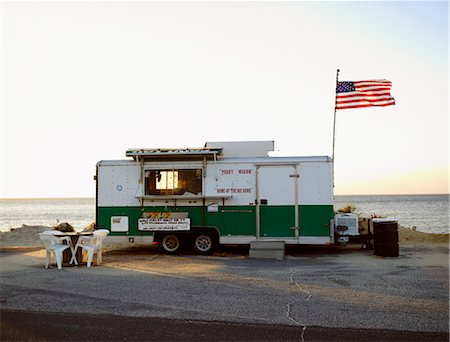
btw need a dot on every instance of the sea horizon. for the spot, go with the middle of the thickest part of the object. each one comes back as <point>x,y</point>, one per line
<point>345,195</point>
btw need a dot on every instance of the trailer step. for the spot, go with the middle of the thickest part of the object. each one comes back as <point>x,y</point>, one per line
<point>267,250</point>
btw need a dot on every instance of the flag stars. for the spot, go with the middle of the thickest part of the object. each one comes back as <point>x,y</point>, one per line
<point>343,87</point>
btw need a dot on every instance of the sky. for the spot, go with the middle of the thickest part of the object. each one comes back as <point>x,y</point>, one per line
<point>85,81</point>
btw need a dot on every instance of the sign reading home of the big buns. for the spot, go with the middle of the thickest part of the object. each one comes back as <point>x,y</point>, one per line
<point>164,224</point>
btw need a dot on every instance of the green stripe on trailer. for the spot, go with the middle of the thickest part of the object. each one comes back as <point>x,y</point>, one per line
<point>314,220</point>
<point>233,220</point>
<point>276,221</point>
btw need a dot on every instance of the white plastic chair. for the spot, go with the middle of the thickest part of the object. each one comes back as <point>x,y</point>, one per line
<point>92,244</point>
<point>54,245</point>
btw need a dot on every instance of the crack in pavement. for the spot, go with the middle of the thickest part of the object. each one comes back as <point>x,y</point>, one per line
<point>289,305</point>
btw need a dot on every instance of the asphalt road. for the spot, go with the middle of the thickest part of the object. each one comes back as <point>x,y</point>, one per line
<point>314,294</point>
<point>49,326</point>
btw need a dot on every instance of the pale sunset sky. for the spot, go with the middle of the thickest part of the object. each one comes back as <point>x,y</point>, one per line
<point>84,81</point>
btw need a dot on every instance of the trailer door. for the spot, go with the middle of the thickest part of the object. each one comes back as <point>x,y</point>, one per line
<point>277,201</point>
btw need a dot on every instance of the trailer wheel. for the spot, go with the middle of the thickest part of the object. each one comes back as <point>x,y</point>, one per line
<point>204,243</point>
<point>171,244</point>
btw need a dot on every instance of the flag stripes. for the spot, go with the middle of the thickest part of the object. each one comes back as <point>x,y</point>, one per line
<point>363,94</point>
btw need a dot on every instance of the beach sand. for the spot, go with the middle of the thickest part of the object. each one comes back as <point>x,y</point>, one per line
<point>27,236</point>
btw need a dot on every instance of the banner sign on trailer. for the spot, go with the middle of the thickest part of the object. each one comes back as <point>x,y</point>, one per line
<point>164,224</point>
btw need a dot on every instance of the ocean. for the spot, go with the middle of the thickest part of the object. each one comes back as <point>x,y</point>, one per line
<point>426,213</point>
<point>79,212</point>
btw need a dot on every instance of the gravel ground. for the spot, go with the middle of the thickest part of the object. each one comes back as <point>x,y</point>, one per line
<point>345,288</point>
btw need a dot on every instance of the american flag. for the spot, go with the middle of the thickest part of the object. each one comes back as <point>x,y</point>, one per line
<point>363,94</point>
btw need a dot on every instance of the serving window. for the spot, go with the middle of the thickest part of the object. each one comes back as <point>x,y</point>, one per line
<point>173,182</point>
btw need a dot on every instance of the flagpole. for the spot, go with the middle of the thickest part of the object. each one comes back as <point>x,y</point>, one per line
<point>334,121</point>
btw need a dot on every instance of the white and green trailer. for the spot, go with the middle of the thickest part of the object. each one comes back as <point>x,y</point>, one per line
<point>223,193</point>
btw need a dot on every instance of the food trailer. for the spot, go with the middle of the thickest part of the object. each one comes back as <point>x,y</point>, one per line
<point>222,193</point>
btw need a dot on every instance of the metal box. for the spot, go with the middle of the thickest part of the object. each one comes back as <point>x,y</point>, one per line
<point>346,224</point>
<point>119,223</point>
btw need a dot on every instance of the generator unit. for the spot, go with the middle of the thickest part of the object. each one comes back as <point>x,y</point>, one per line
<point>345,225</point>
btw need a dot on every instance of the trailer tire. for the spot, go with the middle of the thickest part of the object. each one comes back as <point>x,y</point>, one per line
<point>171,244</point>
<point>204,243</point>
